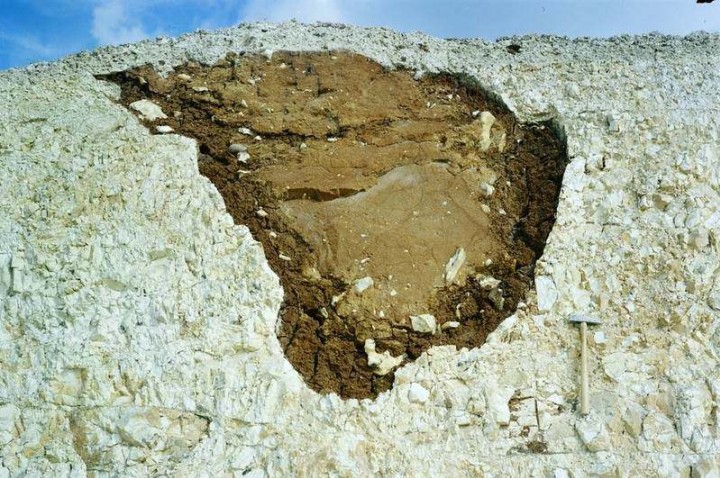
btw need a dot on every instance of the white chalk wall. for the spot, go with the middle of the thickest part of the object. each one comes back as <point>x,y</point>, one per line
<point>137,322</point>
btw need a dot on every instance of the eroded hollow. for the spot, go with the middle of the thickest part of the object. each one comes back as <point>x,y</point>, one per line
<point>377,197</point>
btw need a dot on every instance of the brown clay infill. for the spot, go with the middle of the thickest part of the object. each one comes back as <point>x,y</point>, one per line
<point>363,185</point>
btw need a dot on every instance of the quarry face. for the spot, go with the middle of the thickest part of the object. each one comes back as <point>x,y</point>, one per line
<point>197,238</point>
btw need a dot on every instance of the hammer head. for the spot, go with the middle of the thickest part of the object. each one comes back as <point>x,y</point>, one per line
<point>588,319</point>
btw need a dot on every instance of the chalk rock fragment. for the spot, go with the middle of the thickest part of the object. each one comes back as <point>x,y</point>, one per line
<point>599,338</point>
<point>9,415</point>
<point>361,285</point>
<point>497,399</point>
<point>418,393</point>
<point>487,190</point>
<point>593,434</point>
<point>454,264</point>
<point>659,432</point>
<point>237,148</point>
<point>714,300</point>
<point>487,120</point>
<point>423,323</point>
<point>383,363</point>
<point>148,110</point>
<point>707,467</point>
<point>632,417</point>
<point>450,325</point>
<point>561,436</point>
<point>693,404</point>
<point>547,293</point>
<point>497,298</point>
<point>164,129</point>
<point>135,430</point>
<point>488,282</point>
<point>613,125</point>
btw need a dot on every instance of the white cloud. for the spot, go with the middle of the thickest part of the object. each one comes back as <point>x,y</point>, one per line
<point>17,49</point>
<point>301,10</point>
<point>30,46</point>
<point>111,24</point>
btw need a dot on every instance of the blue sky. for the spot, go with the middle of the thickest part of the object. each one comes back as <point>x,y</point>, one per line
<point>41,30</point>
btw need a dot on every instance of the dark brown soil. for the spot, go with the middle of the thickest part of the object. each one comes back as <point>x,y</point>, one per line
<point>355,171</point>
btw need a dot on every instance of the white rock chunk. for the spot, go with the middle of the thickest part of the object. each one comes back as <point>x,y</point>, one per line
<point>9,415</point>
<point>659,431</point>
<point>418,393</point>
<point>361,285</point>
<point>423,323</point>
<point>547,293</point>
<point>237,148</point>
<point>599,338</point>
<point>148,110</point>
<point>593,434</point>
<point>134,429</point>
<point>707,467</point>
<point>383,363</point>
<point>497,298</point>
<point>487,190</point>
<point>632,418</point>
<point>497,399</point>
<point>454,264</point>
<point>164,129</point>
<point>487,120</point>
<point>488,282</point>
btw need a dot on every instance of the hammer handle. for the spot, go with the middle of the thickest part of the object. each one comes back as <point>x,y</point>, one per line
<point>585,396</point>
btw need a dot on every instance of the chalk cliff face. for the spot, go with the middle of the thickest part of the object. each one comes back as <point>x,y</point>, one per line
<point>137,321</point>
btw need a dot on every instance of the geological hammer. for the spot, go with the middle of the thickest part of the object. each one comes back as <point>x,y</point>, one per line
<point>584,320</point>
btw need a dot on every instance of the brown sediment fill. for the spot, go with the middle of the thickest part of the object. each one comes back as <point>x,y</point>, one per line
<point>362,184</point>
